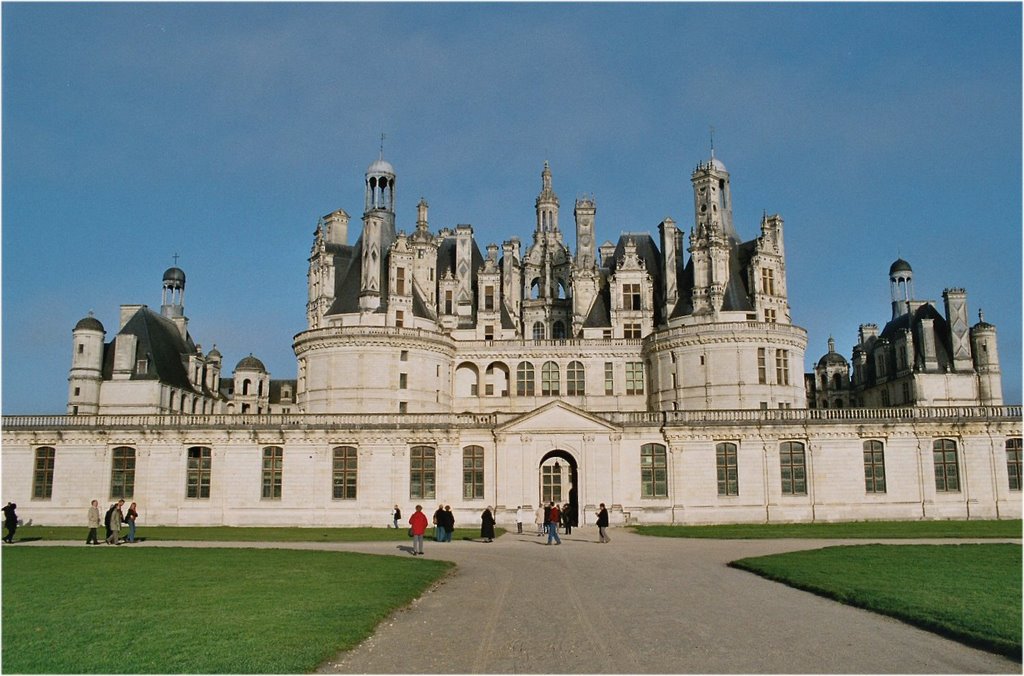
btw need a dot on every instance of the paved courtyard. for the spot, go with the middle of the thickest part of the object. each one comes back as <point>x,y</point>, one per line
<point>635,605</point>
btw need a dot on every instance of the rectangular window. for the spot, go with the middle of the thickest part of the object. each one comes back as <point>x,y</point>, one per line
<point>631,330</point>
<point>728,470</point>
<point>551,484</point>
<point>447,302</point>
<point>400,281</point>
<point>794,471</point>
<point>399,318</point>
<point>634,377</point>
<point>769,315</point>
<point>404,356</point>
<point>762,366</point>
<point>42,478</point>
<point>631,297</point>
<point>273,470</point>
<point>142,366</point>
<point>197,474</point>
<point>782,367</point>
<point>1013,448</point>
<point>421,473</point>
<point>906,393</point>
<point>489,298</point>
<point>653,471</point>
<point>874,467</point>
<point>473,473</point>
<point>947,476</point>
<point>344,473</point>
<point>122,473</point>
<point>768,281</point>
<point>403,381</point>
<point>609,378</point>
<point>489,332</point>
<point>403,407</point>
<point>606,334</point>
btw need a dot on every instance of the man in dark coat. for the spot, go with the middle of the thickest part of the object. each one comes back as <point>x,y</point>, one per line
<point>487,525</point>
<point>10,521</point>
<point>602,524</point>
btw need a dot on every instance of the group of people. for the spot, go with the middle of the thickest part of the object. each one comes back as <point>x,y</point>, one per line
<point>444,523</point>
<point>114,521</point>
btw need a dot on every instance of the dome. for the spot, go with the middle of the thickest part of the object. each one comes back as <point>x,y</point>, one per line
<point>832,359</point>
<point>174,275</point>
<point>214,353</point>
<point>717,165</point>
<point>899,265</point>
<point>381,166</point>
<point>251,363</point>
<point>89,323</point>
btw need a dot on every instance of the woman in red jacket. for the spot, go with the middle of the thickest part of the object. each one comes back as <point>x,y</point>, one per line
<point>418,526</point>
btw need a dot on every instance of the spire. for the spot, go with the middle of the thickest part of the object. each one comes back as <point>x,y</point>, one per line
<point>831,344</point>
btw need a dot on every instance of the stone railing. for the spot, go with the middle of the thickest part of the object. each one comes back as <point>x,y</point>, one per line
<point>489,420</point>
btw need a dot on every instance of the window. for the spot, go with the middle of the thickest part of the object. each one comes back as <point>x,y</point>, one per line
<point>551,483</point>
<point>885,396</point>
<point>273,466</point>
<point>538,331</point>
<point>728,472</point>
<point>558,330</point>
<point>448,302</point>
<point>549,379</point>
<point>473,473</point>
<point>906,392</point>
<point>768,281</point>
<point>403,381</point>
<point>794,472</point>
<point>524,379</point>
<point>489,298</point>
<point>574,379</point>
<point>122,473</point>
<point>344,473</point>
<point>400,281</point>
<point>631,330</point>
<point>762,366</point>
<point>606,334</point>
<point>653,471</point>
<point>404,355</point>
<point>631,297</point>
<point>197,474</point>
<point>634,377</point>
<point>782,367</point>
<point>609,378</point>
<point>489,332</point>
<point>947,480</point>
<point>874,467</point>
<point>42,480</point>
<point>421,473</point>
<point>142,367</point>
<point>403,407</point>
<point>769,316</point>
<point>1013,448</point>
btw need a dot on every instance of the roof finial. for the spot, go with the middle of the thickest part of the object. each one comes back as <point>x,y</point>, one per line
<point>981,316</point>
<point>712,142</point>
<point>382,137</point>
<point>175,257</point>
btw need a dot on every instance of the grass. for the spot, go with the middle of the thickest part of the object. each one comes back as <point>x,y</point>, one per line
<point>971,593</point>
<point>1010,528</point>
<point>123,610</point>
<point>246,534</point>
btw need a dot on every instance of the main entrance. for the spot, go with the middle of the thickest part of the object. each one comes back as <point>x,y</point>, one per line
<point>559,482</point>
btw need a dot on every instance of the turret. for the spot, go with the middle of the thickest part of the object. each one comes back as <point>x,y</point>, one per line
<point>86,373</point>
<point>986,362</point>
<point>901,282</point>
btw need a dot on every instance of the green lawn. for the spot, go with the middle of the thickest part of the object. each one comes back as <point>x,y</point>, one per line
<point>854,529</point>
<point>124,610</point>
<point>971,593</point>
<point>232,534</point>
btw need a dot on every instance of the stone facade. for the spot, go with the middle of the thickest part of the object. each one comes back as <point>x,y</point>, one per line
<point>666,385</point>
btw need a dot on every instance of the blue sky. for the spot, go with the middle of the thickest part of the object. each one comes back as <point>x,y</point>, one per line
<point>221,132</point>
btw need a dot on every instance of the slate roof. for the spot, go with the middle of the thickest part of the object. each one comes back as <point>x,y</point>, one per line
<point>160,343</point>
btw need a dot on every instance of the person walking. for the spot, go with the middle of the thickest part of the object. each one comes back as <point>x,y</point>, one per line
<point>553,516</point>
<point>519,519</point>
<point>396,515</point>
<point>539,520</point>
<point>566,519</point>
<point>116,517</point>
<point>10,521</point>
<point>94,523</point>
<point>487,525</point>
<point>602,524</point>
<point>418,525</point>
<point>130,516</point>
<point>449,524</point>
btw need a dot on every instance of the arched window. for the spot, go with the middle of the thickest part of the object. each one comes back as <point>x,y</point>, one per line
<point>947,476</point>
<point>549,379</point>
<point>538,330</point>
<point>728,469</point>
<point>874,466</point>
<point>346,465</point>
<point>273,472</point>
<point>473,473</point>
<point>245,386</point>
<point>467,380</point>
<point>794,471</point>
<point>575,383</point>
<point>422,473</point>
<point>42,479</point>
<point>122,473</point>
<point>653,471</point>
<point>558,330</point>
<point>524,379</point>
<point>837,381</point>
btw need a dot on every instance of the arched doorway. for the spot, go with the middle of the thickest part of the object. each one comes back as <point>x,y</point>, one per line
<point>559,480</point>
